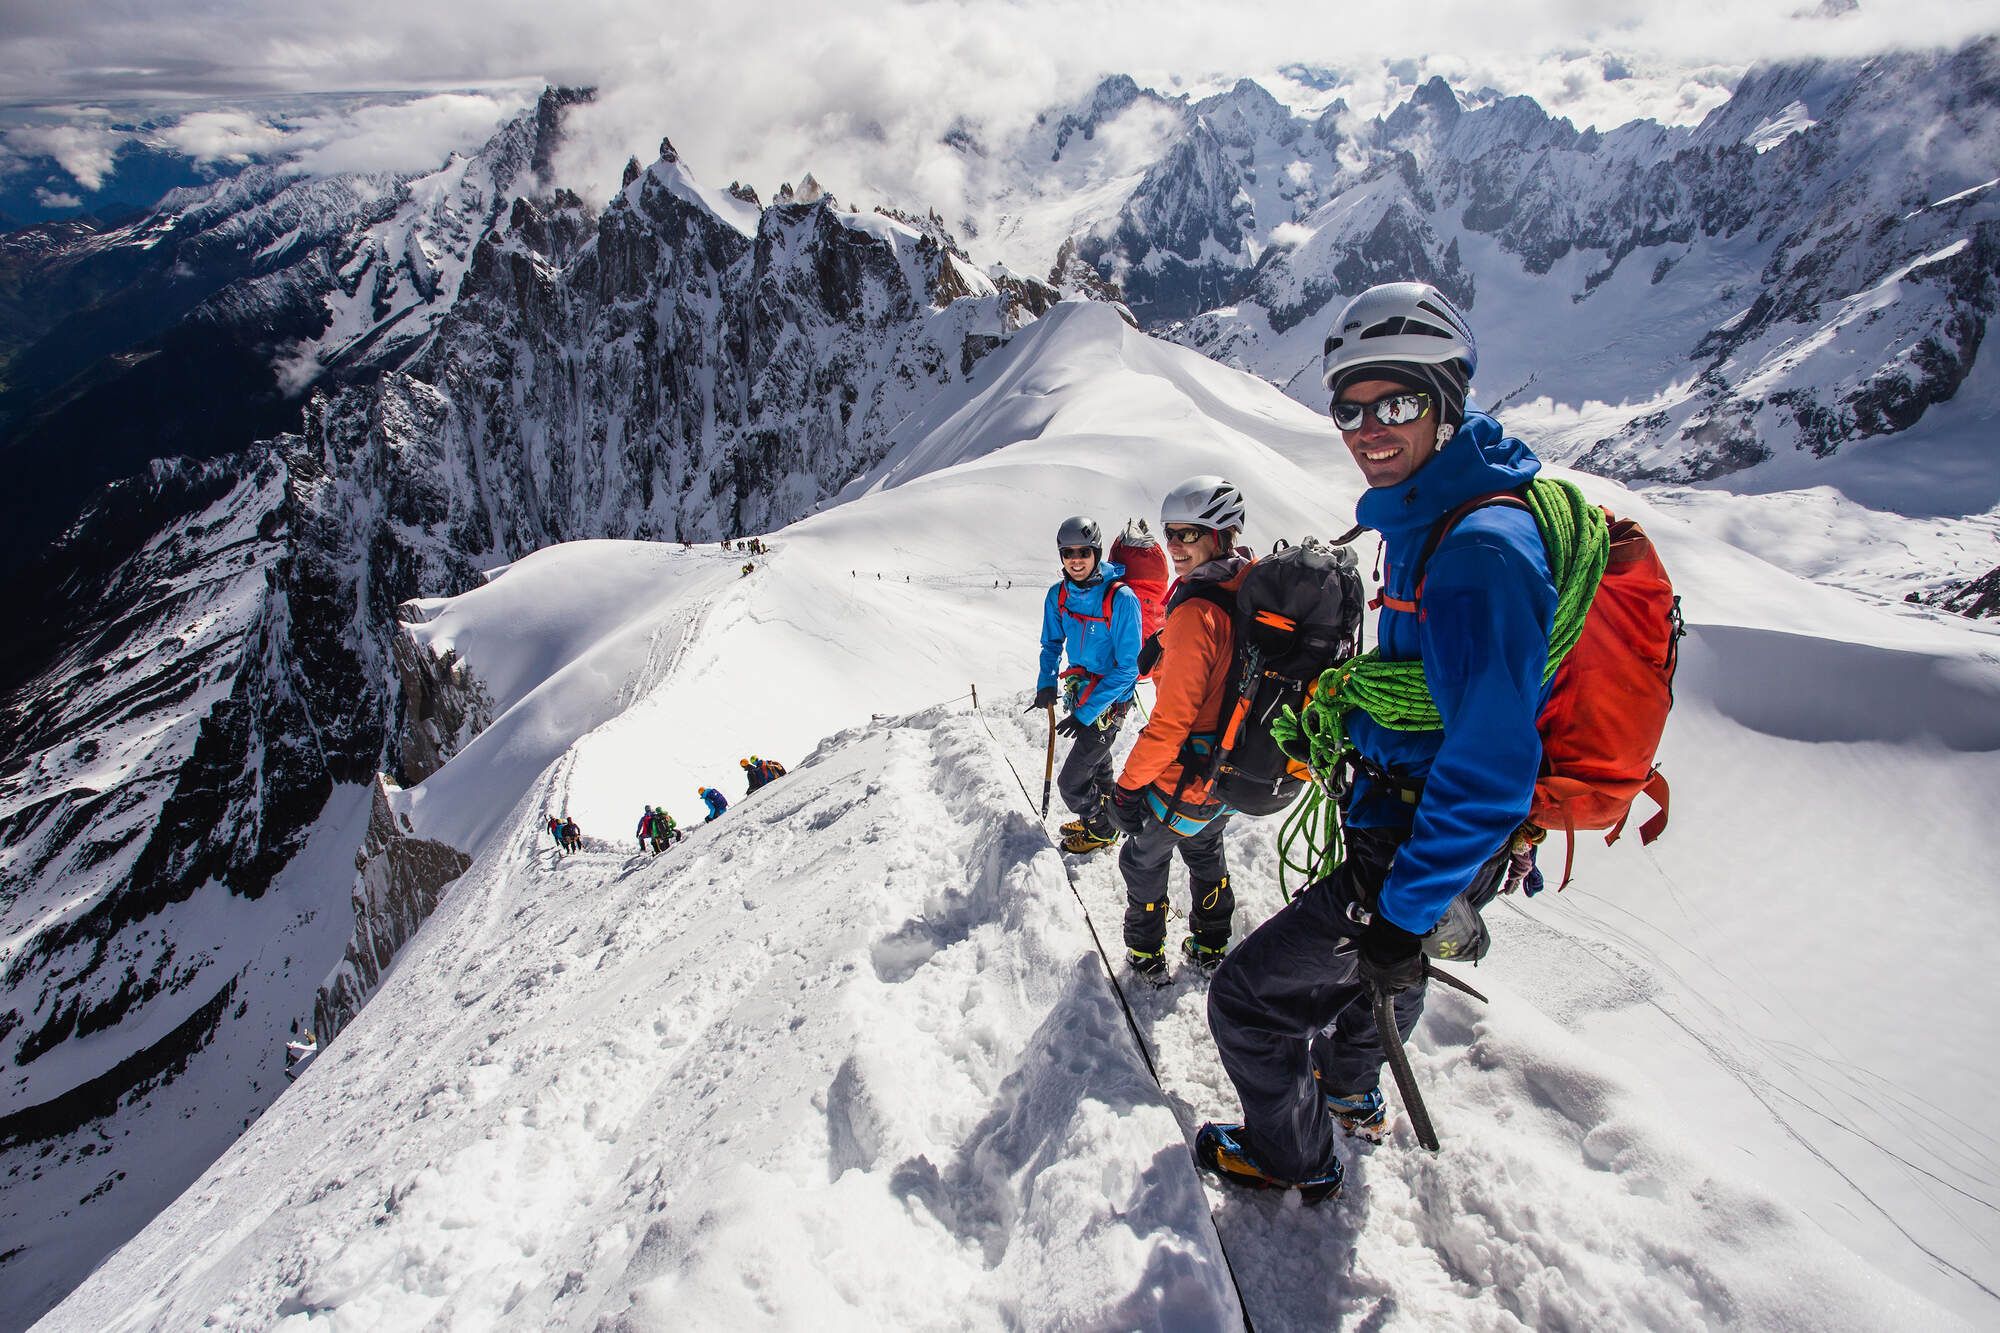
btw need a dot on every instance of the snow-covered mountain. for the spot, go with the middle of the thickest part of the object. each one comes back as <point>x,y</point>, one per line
<point>448,372</point>
<point>202,717</point>
<point>1789,297</point>
<point>196,330</point>
<point>848,1056</point>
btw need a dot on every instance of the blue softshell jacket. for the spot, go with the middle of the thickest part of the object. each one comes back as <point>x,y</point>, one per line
<point>1483,637</point>
<point>713,800</point>
<point>1108,650</point>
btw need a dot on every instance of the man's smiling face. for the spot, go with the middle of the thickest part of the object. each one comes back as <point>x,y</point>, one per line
<point>1387,455</point>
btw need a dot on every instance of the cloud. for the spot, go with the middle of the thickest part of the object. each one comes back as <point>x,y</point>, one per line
<point>391,133</point>
<point>1286,235</point>
<point>860,93</point>
<point>223,136</point>
<point>86,152</point>
<point>399,137</point>
<point>48,198</point>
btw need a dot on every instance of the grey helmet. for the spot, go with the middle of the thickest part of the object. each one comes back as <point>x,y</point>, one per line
<point>1398,321</point>
<point>1079,530</point>
<point>1207,501</point>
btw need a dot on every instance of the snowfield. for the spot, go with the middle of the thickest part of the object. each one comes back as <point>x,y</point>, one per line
<point>848,1057</point>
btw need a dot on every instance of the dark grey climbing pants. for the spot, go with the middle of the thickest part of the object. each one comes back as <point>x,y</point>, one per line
<point>1146,860</point>
<point>1289,999</point>
<point>1086,775</point>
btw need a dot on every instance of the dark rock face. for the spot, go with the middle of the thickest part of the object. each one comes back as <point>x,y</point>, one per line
<point>398,880</point>
<point>168,336</point>
<point>443,707</point>
<point>1978,598</point>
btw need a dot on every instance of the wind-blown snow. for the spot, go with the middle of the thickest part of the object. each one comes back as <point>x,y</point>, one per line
<point>847,1057</point>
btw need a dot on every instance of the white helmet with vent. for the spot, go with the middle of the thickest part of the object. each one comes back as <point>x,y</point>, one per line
<point>1210,502</point>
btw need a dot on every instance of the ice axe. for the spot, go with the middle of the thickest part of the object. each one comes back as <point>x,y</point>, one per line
<point>1049,768</point>
<point>1399,1059</point>
<point>1399,1065</point>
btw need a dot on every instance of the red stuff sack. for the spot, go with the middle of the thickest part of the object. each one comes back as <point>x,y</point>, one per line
<point>1147,574</point>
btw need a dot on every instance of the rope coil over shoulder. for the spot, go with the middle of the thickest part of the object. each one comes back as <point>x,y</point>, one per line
<point>1576,535</point>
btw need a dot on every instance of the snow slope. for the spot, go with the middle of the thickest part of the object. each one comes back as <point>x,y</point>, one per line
<point>848,1058</point>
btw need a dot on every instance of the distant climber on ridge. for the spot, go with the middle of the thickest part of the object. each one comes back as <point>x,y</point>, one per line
<point>760,772</point>
<point>714,800</point>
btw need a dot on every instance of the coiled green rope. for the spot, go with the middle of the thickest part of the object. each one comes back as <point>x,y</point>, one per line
<point>1395,694</point>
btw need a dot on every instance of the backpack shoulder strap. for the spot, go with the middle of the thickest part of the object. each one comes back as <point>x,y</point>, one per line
<point>1510,499</point>
<point>1441,530</point>
<point>1111,587</point>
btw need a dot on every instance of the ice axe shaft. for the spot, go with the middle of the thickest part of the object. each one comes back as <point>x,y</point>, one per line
<point>1049,768</point>
<point>1399,1064</point>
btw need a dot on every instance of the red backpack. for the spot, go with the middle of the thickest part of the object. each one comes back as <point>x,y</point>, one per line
<point>1608,705</point>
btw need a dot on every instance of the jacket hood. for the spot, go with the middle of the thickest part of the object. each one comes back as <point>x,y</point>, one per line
<point>1479,458</point>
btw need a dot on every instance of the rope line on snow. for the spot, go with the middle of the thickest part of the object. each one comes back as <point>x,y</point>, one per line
<point>1125,1004</point>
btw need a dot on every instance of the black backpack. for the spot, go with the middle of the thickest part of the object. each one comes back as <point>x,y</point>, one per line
<point>1296,613</point>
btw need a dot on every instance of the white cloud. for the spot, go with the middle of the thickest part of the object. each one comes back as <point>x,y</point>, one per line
<point>223,136</point>
<point>86,152</point>
<point>1286,235</point>
<point>860,92</point>
<point>48,198</point>
<point>401,136</point>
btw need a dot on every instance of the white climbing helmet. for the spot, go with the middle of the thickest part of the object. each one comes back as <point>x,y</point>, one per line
<point>1211,502</point>
<point>1398,321</point>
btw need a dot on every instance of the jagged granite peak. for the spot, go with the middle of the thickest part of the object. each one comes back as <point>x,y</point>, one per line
<point>667,152</point>
<point>227,305</point>
<point>1858,253</point>
<point>1111,96</point>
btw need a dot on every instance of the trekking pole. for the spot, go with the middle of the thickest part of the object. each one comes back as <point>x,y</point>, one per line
<point>1049,769</point>
<point>1399,1064</point>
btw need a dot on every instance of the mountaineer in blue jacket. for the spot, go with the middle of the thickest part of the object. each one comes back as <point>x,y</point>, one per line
<point>1431,813</point>
<point>1095,620</point>
<point>713,799</point>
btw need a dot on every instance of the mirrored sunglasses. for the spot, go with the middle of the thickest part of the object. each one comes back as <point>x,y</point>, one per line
<point>1398,409</point>
<point>1183,536</point>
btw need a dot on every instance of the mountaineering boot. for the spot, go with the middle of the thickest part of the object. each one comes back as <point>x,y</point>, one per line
<point>1204,956</point>
<point>1219,1149</point>
<point>1149,966</point>
<point>1094,835</point>
<point>1074,826</point>
<point>1361,1114</point>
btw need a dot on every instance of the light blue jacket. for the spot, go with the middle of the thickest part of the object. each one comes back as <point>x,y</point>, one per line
<point>1105,646</point>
